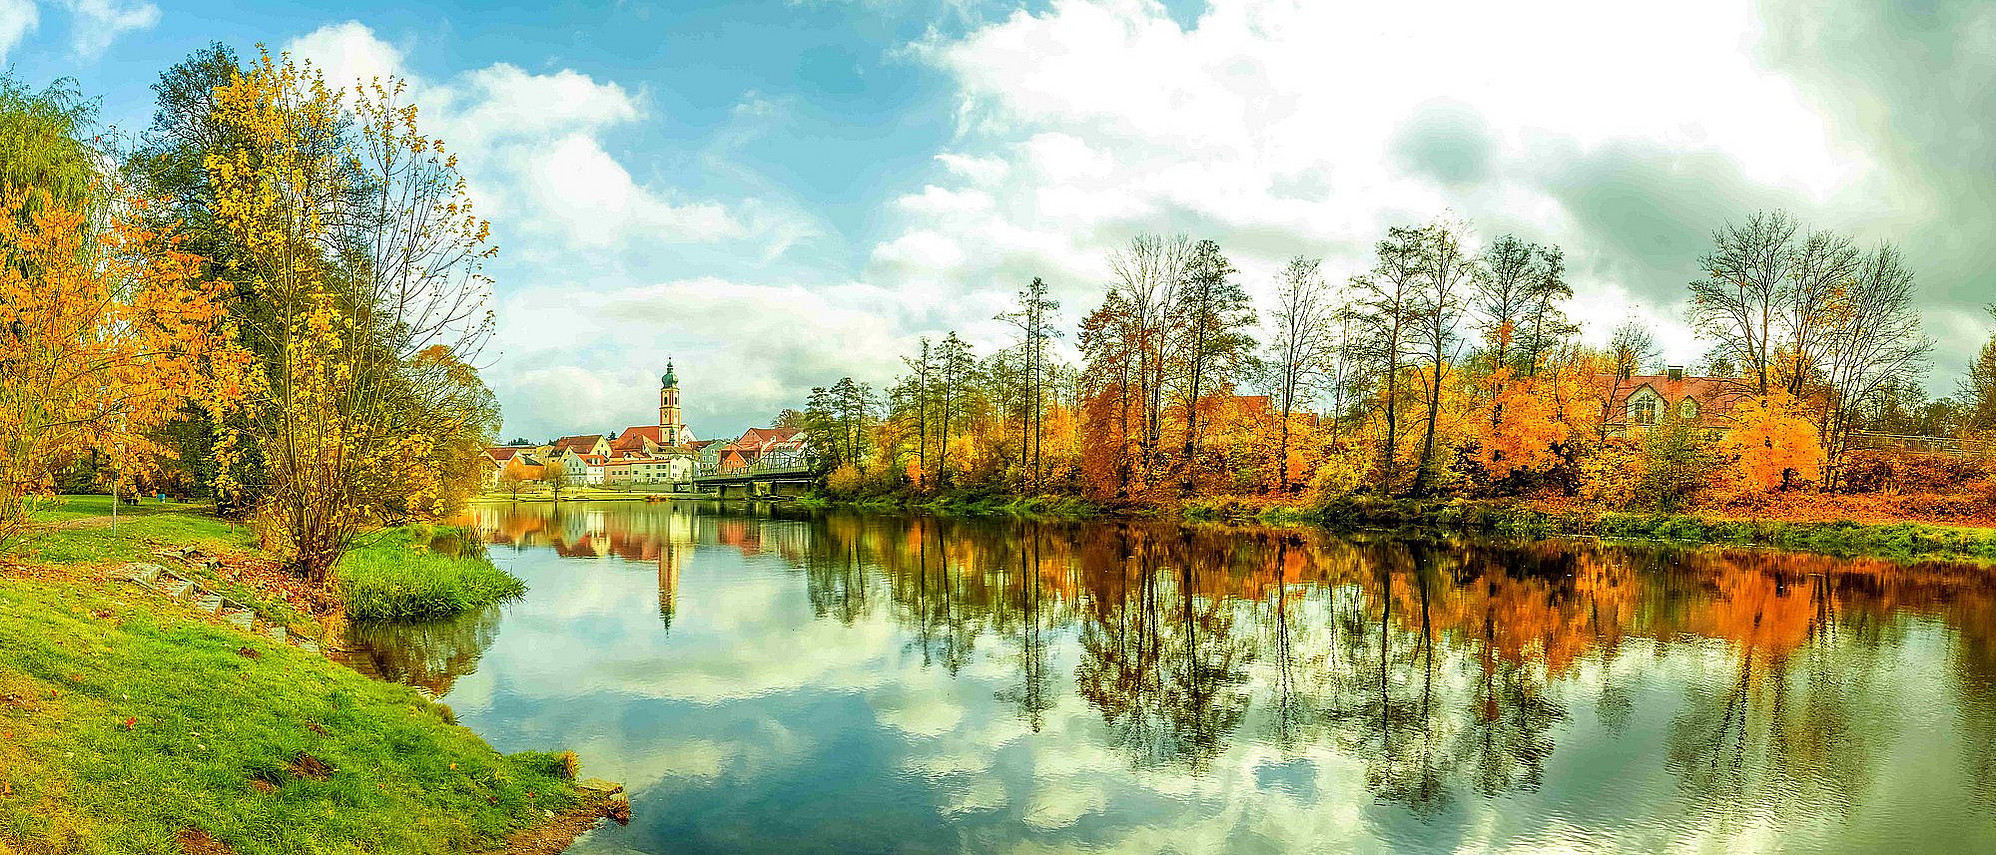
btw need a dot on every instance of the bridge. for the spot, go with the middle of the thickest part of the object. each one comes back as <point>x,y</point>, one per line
<point>783,477</point>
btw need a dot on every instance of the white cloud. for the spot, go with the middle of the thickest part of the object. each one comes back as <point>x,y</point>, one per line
<point>17,18</point>
<point>532,147</point>
<point>98,23</point>
<point>1277,127</point>
<point>349,53</point>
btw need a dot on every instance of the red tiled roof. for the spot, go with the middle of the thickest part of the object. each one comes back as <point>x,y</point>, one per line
<point>1715,395</point>
<point>633,438</point>
<point>580,443</point>
<point>503,453</point>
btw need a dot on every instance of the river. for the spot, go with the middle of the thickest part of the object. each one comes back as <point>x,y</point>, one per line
<point>852,684</point>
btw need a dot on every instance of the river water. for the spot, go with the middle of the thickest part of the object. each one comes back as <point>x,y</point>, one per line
<point>851,684</point>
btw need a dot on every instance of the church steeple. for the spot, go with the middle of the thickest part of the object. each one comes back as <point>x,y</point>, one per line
<point>671,425</point>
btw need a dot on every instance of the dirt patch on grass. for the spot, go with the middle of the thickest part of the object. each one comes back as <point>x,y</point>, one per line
<point>308,766</point>
<point>197,842</point>
<point>559,832</point>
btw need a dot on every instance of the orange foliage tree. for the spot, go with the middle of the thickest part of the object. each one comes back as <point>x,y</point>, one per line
<point>105,332</point>
<point>1773,444</point>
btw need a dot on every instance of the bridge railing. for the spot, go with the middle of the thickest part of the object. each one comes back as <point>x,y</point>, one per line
<point>782,466</point>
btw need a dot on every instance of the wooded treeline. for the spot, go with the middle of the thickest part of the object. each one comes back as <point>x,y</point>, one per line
<point>272,296</point>
<point>1449,368</point>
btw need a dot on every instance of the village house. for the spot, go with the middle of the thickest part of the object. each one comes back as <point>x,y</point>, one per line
<point>1642,401</point>
<point>763,448</point>
<point>585,444</point>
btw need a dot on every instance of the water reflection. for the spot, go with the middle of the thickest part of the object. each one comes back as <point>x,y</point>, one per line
<point>1158,687</point>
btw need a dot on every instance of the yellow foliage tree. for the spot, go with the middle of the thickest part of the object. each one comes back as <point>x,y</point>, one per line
<point>105,332</point>
<point>355,236</point>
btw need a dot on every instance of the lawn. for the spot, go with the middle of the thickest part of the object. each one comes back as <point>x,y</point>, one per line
<point>133,725</point>
<point>130,723</point>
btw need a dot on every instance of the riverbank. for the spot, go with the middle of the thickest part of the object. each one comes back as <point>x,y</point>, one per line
<point>130,722</point>
<point>1903,540</point>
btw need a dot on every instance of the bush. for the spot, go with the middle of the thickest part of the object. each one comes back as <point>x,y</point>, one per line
<point>401,577</point>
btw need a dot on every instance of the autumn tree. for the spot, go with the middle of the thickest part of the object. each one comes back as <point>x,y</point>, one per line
<point>515,476</point>
<point>355,232</point>
<point>912,400</point>
<point>1545,329</point>
<point>1444,274</point>
<point>1387,299</point>
<point>1033,317</point>
<point>1149,274</point>
<point>838,422</point>
<point>1212,347</point>
<point>1112,398</point>
<point>955,370</point>
<point>556,475</point>
<point>1302,349</point>
<point>1630,347</point>
<point>1772,444</point>
<point>105,332</point>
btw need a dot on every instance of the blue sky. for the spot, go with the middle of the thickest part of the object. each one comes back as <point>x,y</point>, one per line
<point>780,193</point>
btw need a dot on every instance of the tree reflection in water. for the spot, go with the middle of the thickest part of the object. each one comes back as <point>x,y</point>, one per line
<point>1443,669</point>
<point>429,655</point>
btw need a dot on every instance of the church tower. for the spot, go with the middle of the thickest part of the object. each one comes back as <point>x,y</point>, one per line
<point>671,425</point>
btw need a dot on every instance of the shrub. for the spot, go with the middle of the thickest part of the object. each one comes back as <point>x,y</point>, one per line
<point>399,577</point>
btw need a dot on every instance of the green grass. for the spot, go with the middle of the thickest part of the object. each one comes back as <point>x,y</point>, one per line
<point>128,719</point>
<point>420,573</point>
<point>97,544</point>
<point>1904,541</point>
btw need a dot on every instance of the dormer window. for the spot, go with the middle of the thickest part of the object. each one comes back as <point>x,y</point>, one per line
<point>1643,412</point>
<point>1687,409</point>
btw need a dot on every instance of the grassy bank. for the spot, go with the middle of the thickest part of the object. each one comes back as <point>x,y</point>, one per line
<point>136,726</point>
<point>1904,541</point>
<point>963,503</point>
<point>420,573</point>
<point>133,724</point>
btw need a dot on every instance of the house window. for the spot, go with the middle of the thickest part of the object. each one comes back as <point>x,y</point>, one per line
<point>1643,411</point>
<point>1688,409</point>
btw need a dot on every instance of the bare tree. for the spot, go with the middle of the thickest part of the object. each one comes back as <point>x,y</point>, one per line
<point>1821,275</point>
<point>1870,346</point>
<point>1303,346</point>
<point>1740,302</point>
<point>1148,275</point>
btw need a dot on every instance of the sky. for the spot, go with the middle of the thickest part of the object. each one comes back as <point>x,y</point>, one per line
<point>778,194</point>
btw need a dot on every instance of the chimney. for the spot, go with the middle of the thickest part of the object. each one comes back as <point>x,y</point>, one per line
<point>1674,372</point>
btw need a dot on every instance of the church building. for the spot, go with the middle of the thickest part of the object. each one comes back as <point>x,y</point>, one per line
<point>660,453</point>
